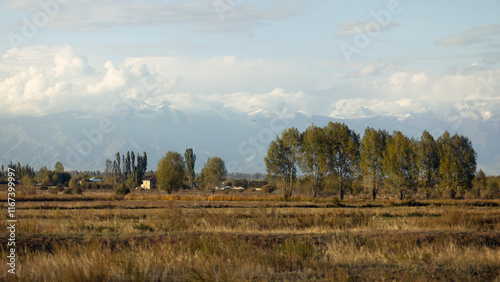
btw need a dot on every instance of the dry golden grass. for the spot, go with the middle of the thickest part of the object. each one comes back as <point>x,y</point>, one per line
<point>185,237</point>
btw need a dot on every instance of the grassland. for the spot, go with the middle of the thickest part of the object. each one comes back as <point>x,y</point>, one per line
<point>238,237</point>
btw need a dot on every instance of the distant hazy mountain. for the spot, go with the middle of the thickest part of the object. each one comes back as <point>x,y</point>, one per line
<point>241,139</point>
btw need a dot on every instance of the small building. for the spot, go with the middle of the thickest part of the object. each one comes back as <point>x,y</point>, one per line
<point>149,183</point>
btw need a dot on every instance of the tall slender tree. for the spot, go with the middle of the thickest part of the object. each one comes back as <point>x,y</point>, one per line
<point>291,141</point>
<point>343,155</point>
<point>128,166</point>
<point>427,163</point>
<point>190,158</point>
<point>400,164</point>
<point>133,167</point>
<point>279,165</point>
<point>457,163</point>
<point>372,159</point>
<point>480,183</point>
<point>108,171</point>
<point>124,168</point>
<point>118,175</point>
<point>312,156</point>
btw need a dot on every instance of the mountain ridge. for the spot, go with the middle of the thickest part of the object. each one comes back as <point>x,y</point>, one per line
<point>241,139</point>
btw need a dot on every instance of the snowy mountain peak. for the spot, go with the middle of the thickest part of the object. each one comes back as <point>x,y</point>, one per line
<point>345,111</point>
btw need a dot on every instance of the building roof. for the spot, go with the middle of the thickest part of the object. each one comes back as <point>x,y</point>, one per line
<point>150,179</point>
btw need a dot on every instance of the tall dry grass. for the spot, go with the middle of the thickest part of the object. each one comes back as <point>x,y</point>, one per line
<point>182,241</point>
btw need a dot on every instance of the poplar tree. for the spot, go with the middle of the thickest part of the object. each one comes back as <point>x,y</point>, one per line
<point>342,152</point>
<point>291,142</point>
<point>313,157</point>
<point>58,167</point>
<point>278,164</point>
<point>372,159</point>
<point>190,158</point>
<point>213,173</point>
<point>427,163</point>
<point>170,172</point>
<point>400,164</point>
<point>457,163</point>
<point>282,157</point>
<point>480,183</point>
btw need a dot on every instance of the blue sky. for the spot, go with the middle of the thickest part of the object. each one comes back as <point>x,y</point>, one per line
<point>425,57</point>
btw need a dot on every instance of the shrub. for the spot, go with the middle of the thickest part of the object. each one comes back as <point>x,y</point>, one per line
<point>77,190</point>
<point>44,188</point>
<point>122,190</point>
<point>67,190</point>
<point>268,188</point>
<point>335,202</point>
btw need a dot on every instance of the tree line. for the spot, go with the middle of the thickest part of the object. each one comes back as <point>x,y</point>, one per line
<point>27,175</point>
<point>335,156</point>
<point>127,169</point>
<point>174,170</point>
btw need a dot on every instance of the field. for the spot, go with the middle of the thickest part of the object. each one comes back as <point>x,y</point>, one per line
<point>238,237</point>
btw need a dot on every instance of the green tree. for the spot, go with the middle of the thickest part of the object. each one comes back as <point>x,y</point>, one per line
<point>400,164</point>
<point>312,159</point>
<point>213,173</point>
<point>170,173</point>
<point>108,172</point>
<point>190,158</point>
<point>73,183</point>
<point>55,179</point>
<point>291,141</point>
<point>42,172</point>
<point>117,169</point>
<point>122,190</point>
<point>457,163</point>
<point>133,167</point>
<point>342,155</point>
<point>128,166</point>
<point>427,163</point>
<point>279,165</point>
<point>493,190</point>
<point>58,167</point>
<point>372,159</point>
<point>142,166</point>
<point>46,181</point>
<point>26,180</point>
<point>480,183</point>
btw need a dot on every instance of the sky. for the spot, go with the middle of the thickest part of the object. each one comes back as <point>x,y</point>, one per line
<point>333,58</point>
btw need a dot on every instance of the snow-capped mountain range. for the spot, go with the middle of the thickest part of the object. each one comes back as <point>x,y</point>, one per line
<point>241,139</point>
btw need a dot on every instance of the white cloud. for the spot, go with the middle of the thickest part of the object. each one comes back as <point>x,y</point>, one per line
<point>114,80</point>
<point>228,74</point>
<point>473,36</point>
<point>354,27</point>
<point>105,15</point>
<point>60,80</point>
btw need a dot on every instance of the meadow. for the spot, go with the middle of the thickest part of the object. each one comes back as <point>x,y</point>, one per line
<point>99,236</point>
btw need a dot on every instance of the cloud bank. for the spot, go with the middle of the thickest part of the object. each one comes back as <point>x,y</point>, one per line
<point>43,80</point>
